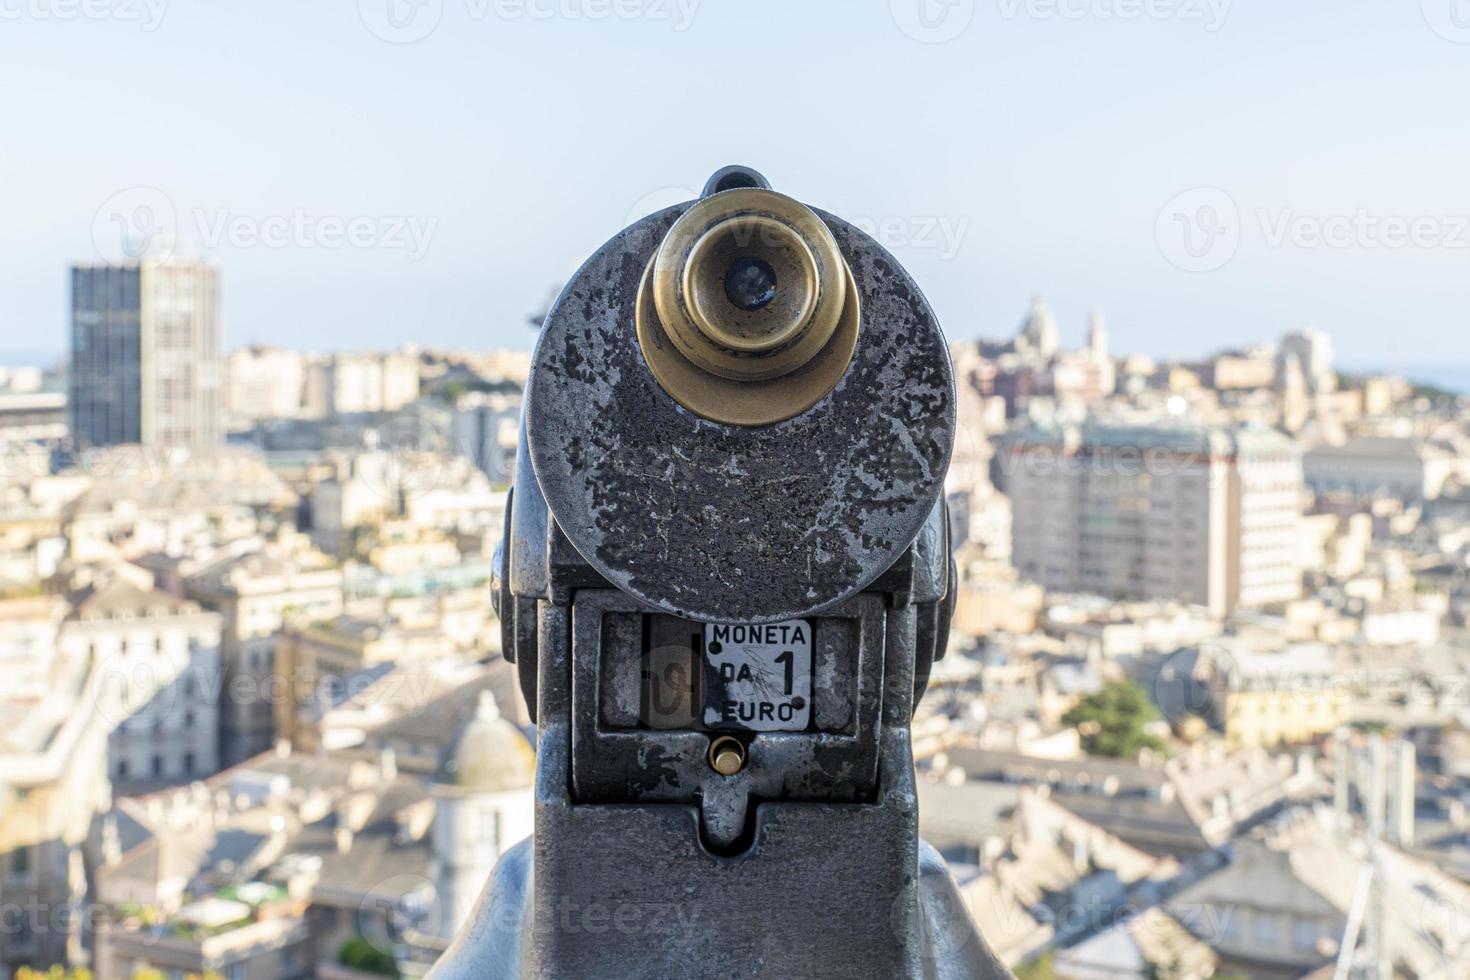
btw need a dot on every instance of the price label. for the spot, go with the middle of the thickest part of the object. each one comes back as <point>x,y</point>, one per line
<point>758,678</point>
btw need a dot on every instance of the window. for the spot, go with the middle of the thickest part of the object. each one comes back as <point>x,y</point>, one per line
<point>1268,929</point>
<point>21,865</point>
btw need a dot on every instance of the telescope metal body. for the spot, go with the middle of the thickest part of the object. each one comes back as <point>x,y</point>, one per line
<point>723,608</point>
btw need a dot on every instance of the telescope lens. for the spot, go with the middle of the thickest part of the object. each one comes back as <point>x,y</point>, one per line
<point>750,283</point>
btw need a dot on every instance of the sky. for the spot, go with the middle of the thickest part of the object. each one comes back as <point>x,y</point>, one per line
<point>367,173</point>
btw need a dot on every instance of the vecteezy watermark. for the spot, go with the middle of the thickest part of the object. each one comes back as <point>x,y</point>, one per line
<point>407,233</point>
<point>932,21</point>
<point>1211,14</point>
<point>142,222</point>
<point>1199,229</point>
<point>147,14</point>
<point>657,200</point>
<point>136,222</point>
<point>399,906</point>
<point>410,460</point>
<point>404,904</point>
<point>1050,458</point>
<point>1450,19</point>
<point>139,686</point>
<point>943,234</point>
<point>1444,918</point>
<point>1204,681</point>
<point>407,21</point>
<point>627,918</point>
<point>937,21</point>
<point>1363,229</point>
<point>400,21</point>
<point>939,233</point>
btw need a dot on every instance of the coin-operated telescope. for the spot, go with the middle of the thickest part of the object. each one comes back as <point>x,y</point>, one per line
<point>725,576</point>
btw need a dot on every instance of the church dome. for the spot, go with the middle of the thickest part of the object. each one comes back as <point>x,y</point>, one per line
<point>490,755</point>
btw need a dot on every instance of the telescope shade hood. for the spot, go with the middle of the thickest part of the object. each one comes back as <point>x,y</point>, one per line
<point>729,523</point>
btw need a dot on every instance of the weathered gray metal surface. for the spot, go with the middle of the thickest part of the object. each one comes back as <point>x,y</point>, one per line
<point>724,523</point>
<point>826,890</point>
<point>621,764</point>
<point>645,862</point>
<point>499,938</point>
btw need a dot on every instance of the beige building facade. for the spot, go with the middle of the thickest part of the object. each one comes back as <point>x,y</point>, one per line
<point>1200,516</point>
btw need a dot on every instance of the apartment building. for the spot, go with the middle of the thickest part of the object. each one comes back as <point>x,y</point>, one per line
<point>485,428</point>
<point>317,662</point>
<point>1403,467</point>
<point>264,383</point>
<point>33,418</point>
<point>156,661</point>
<point>370,382</point>
<point>279,868</point>
<point>257,594</point>
<point>145,354</point>
<point>53,780</point>
<point>1202,516</point>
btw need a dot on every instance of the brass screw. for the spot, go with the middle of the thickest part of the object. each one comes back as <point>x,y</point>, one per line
<point>726,755</point>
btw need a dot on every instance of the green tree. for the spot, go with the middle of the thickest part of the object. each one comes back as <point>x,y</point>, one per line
<point>1038,969</point>
<point>360,954</point>
<point>1112,721</point>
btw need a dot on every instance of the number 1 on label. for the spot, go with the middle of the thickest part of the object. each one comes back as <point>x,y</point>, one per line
<point>788,658</point>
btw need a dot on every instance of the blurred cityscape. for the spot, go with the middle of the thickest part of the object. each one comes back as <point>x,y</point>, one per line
<point>1204,710</point>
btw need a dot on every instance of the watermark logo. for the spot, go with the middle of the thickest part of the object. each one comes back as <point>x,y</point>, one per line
<point>969,464</point>
<point>932,21</point>
<point>401,21</point>
<point>147,14</point>
<point>940,234</point>
<point>679,14</point>
<point>1191,683</point>
<point>1211,14</point>
<point>1450,19</point>
<point>407,21</point>
<point>137,466</point>
<point>406,233</point>
<point>944,923</point>
<point>1444,920</point>
<point>143,222</point>
<point>1199,230</point>
<point>1047,458</point>
<point>136,687</point>
<point>943,235</point>
<point>411,458</point>
<point>399,907</point>
<point>1363,229</point>
<point>655,201</point>
<point>136,223</point>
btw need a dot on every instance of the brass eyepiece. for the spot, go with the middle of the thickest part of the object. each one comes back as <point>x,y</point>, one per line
<point>747,313</point>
